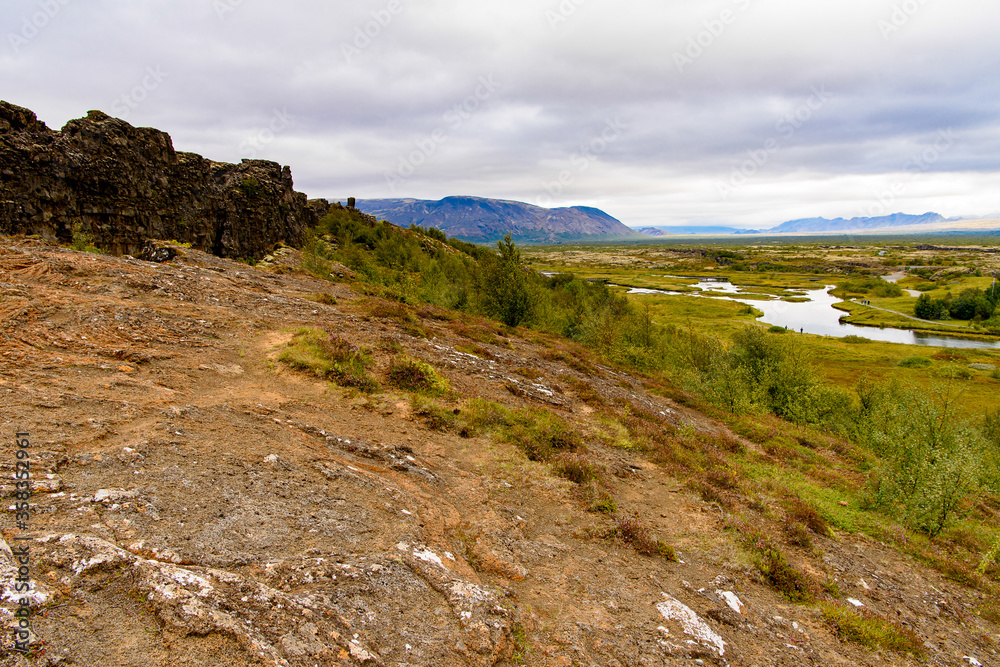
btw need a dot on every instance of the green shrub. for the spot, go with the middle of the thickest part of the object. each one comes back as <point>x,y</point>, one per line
<point>777,329</point>
<point>781,576</point>
<point>411,374</point>
<point>927,308</point>
<point>856,340</point>
<point>772,564</point>
<point>84,241</point>
<point>915,362</point>
<point>930,459</point>
<point>603,502</point>
<point>542,434</point>
<point>873,285</point>
<point>871,630</point>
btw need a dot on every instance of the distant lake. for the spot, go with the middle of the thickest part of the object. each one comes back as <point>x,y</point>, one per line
<point>818,316</point>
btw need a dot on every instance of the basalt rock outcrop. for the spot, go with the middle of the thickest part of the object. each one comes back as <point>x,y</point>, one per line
<point>120,186</point>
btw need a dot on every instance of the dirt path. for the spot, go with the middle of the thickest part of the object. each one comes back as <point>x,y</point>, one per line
<point>912,317</point>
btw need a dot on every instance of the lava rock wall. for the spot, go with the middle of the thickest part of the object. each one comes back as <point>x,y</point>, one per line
<point>123,185</point>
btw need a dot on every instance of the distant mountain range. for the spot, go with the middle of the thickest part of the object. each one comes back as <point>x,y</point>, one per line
<point>670,230</point>
<point>812,225</point>
<point>483,220</point>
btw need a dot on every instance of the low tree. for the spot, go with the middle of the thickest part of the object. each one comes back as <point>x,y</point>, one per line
<point>931,459</point>
<point>927,308</point>
<point>505,290</point>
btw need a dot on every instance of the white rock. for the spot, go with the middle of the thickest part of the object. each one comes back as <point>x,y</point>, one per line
<point>732,600</point>
<point>428,556</point>
<point>674,610</point>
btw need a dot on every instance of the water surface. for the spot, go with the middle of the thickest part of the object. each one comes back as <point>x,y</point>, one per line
<point>818,316</point>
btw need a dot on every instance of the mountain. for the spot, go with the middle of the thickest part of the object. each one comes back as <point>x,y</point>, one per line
<point>692,230</point>
<point>482,220</point>
<point>812,225</point>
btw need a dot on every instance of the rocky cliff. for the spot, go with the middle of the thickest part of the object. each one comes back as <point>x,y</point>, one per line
<point>123,185</point>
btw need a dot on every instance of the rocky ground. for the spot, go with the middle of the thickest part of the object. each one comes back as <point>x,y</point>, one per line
<point>197,502</point>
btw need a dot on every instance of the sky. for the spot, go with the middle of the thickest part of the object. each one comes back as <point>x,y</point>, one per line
<point>732,112</point>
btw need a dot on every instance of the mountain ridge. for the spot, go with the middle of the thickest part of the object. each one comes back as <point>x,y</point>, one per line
<point>820,224</point>
<point>483,220</point>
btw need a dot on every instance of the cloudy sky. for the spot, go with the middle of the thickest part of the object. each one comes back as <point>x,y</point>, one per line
<point>740,112</point>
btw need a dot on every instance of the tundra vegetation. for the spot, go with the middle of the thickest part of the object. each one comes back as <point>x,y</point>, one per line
<point>832,435</point>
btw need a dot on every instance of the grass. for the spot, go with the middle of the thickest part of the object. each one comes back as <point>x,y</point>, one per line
<point>577,468</point>
<point>330,357</point>
<point>870,630</point>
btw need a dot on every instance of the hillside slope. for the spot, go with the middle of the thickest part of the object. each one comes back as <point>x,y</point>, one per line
<point>482,220</point>
<point>198,501</point>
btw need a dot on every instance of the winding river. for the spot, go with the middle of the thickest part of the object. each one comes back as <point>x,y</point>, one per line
<point>818,316</point>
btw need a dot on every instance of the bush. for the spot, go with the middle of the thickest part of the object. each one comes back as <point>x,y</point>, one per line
<point>915,362</point>
<point>781,576</point>
<point>411,374</point>
<point>805,514</point>
<point>931,460</point>
<point>636,534</point>
<point>871,630</point>
<point>873,285</point>
<point>927,308</point>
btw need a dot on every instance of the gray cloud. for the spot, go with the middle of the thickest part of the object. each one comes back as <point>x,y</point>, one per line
<point>386,97</point>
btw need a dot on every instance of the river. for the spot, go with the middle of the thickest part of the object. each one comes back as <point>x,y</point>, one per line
<point>818,316</point>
